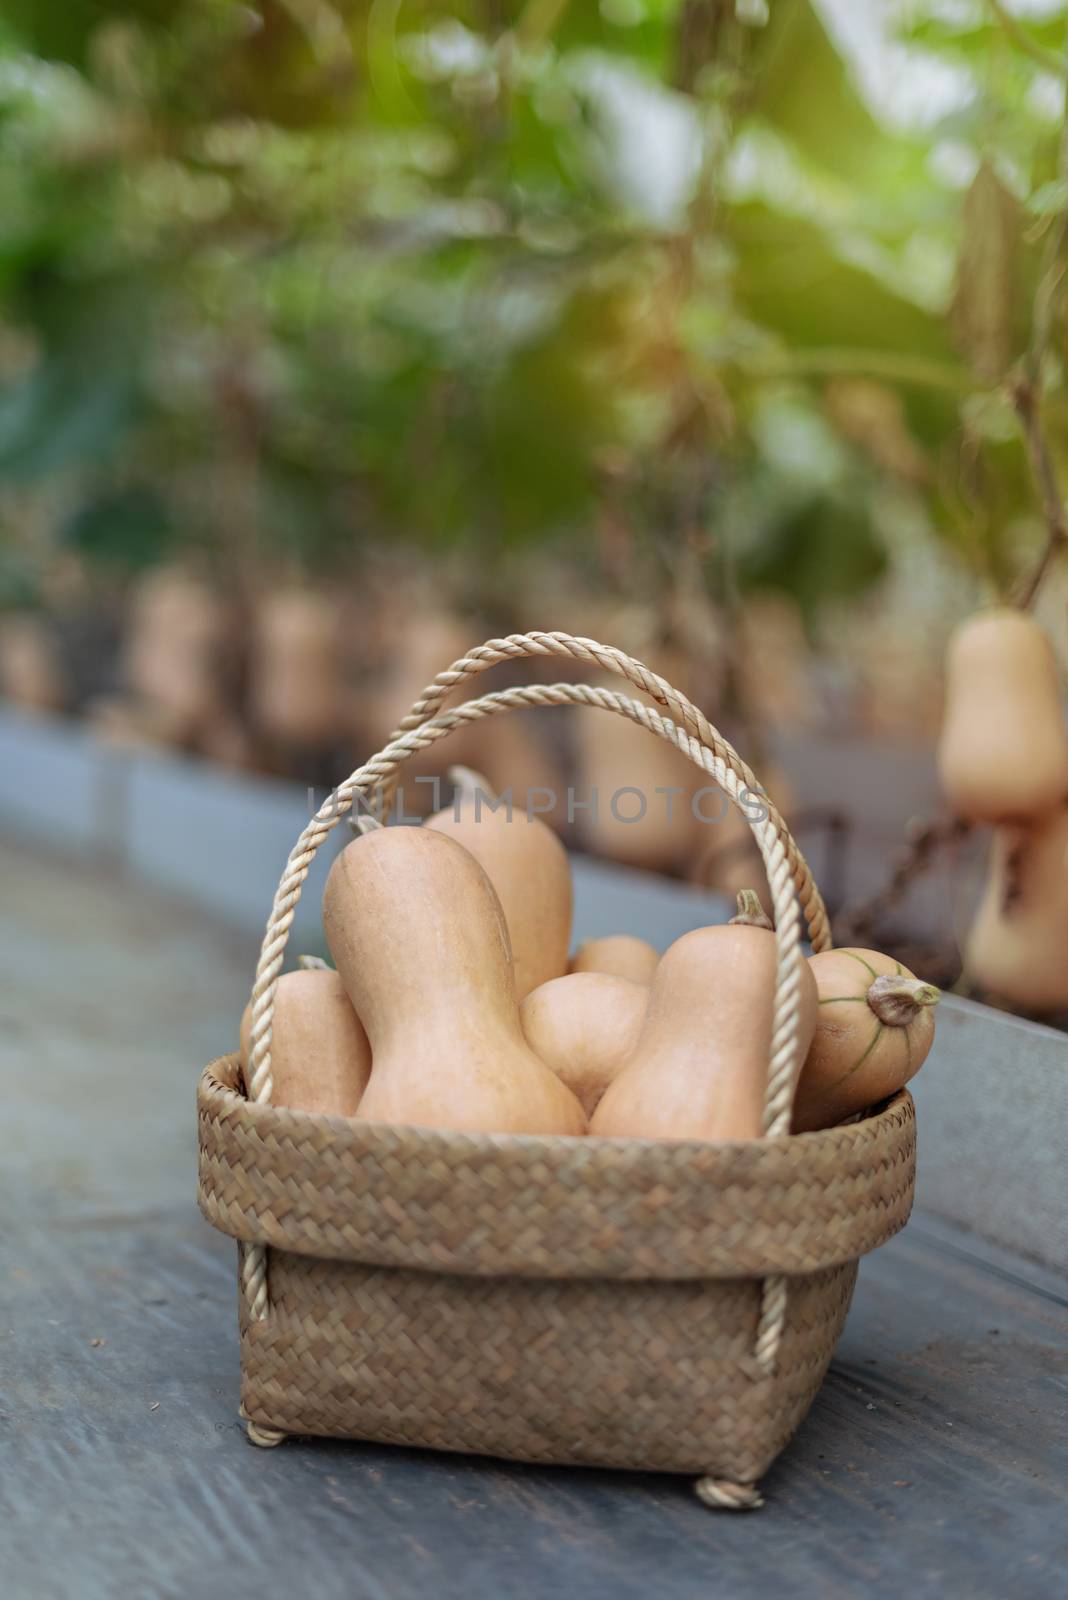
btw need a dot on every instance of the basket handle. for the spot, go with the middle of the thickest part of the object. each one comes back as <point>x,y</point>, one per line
<point>681,709</point>
<point>789,878</point>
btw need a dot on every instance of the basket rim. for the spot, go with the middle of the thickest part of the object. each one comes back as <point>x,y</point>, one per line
<point>536,1205</point>
<point>229,1082</point>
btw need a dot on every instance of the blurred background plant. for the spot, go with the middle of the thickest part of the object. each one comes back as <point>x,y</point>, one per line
<point>708,326</point>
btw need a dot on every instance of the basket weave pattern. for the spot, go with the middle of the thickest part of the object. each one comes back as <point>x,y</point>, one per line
<point>536,1207</point>
<point>626,1303</point>
<point>657,1376</point>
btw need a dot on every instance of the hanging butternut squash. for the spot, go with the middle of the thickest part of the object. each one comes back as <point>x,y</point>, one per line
<point>174,652</point>
<point>1015,951</point>
<point>1003,756</point>
<point>31,671</point>
<point>296,670</point>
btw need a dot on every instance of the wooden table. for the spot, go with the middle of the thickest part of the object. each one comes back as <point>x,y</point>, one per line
<point>935,1462</point>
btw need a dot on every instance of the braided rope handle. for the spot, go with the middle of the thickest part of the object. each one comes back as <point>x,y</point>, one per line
<point>516,646</point>
<point>789,879</point>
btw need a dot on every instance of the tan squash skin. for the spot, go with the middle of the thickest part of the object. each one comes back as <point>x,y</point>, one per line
<point>122,721</point>
<point>31,673</point>
<point>614,756</point>
<point>773,658</point>
<point>509,753</point>
<point>699,1067</point>
<point>584,1026</point>
<point>507,749</point>
<point>296,673</point>
<point>621,955</point>
<point>320,1057</point>
<point>874,1031</point>
<point>726,856</point>
<point>1016,951</point>
<point>421,944</point>
<point>175,647</point>
<point>1003,756</point>
<point>527,866</point>
<point>423,643</point>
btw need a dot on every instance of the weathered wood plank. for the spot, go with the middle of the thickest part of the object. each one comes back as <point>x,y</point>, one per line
<point>933,1464</point>
<point>992,1102</point>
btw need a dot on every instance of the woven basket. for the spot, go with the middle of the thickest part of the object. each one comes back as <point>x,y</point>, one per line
<point>631,1303</point>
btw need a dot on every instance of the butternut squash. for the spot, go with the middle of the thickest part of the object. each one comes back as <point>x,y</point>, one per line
<point>226,740</point>
<point>174,650</point>
<point>584,1026</point>
<point>896,660</point>
<point>1015,951</point>
<point>643,789</point>
<point>320,1057</point>
<point>506,748</point>
<point>421,944</point>
<point>527,866</point>
<point>773,662</point>
<point>726,856</point>
<point>31,671</point>
<point>512,754</point>
<point>425,641</point>
<point>296,671</point>
<point>699,1067</point>
<point>874,1031</point>
<point>1003,755</point>
<point>620,954</point>
<point>124,722</point>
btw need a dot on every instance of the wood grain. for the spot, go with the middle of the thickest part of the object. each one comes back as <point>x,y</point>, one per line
<point>933,1464</point>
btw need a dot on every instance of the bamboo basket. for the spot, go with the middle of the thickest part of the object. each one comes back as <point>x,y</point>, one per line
<point>666,1306</point>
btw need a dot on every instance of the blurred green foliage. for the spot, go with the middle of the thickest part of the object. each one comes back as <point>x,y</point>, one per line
<point>283,280</point>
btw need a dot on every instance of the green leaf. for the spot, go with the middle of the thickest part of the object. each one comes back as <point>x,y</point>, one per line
<point>790,282</point>
<point>1049,199</point>
<point>820,550</point>
<point>63,414</point>
<point>802,87</point>
<point>64,30</point>
<point>84,392</point>
<point>975,40</point>
<point>985,302</point>
<point>127,529</point>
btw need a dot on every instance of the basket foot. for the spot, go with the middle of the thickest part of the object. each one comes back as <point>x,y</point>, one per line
<point>266,1438</point>
<point>722,1495</point>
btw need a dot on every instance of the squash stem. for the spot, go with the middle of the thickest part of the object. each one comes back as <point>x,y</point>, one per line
<point>470,786</point>
<point>750,913</point>
<point>897,1000</point>
<point>364,823</point>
